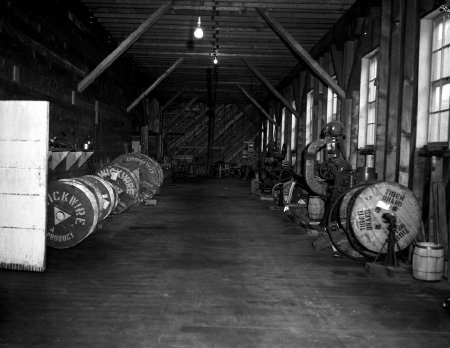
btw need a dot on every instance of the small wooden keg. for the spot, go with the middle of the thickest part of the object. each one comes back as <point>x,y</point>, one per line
<point>316,207</point>
<point>367,207</point>
<point>72,213</point>
<point>126,184</point>
<point>428,261</point>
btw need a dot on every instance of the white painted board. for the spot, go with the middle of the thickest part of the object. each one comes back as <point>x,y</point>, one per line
<point>23,184</point>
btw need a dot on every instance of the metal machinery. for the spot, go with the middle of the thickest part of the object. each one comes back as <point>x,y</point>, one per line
<point>364,219</point>
<point>326,169</point>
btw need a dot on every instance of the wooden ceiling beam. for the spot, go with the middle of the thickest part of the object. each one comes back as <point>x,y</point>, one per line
<point>154,84</point>
<point>112,57</point>
<point>272,89</point>
<point>298,49</point>
<point>256,104</point>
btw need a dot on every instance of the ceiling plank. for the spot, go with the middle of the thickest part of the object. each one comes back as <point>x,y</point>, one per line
<point>154,84</point>
<point>297,48</point>
<point>83,84</point>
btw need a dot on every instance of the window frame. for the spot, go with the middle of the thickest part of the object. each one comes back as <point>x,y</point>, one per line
<point>332,104</point>
<point>309,117</point>
<point>365,101</point>
<point>425,83</point>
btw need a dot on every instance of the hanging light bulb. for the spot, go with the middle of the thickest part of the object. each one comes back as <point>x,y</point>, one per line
<point>215,61</point>
<point>198,33</point>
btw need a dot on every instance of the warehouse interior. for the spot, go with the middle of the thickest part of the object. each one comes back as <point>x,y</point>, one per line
<point>187,173</point>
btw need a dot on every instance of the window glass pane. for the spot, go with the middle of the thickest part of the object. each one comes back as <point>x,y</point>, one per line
<point>437,35</point>
<point>283,122</point>
<point>433,128</point>
<point>445,97</point>
<point>370,134</point>
<point>293,132</point>
<point>436,66</point>
<point>447,30</point>
<point>443,127</point>
<point>373,68</point>
<point>309,115</point>
<point>446,60</point>
<point>435,97</point>
<point>335,100</point>
<point>371,113</point>
<point>372,91</point>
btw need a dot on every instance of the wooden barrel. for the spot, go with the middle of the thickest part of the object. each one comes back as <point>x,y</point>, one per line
<point>105,190</point>
<point>145,169</point>
<point>316,207</point>
<point>72,213</point>
<point>428,261</point>
<point>126,184</point>
<point>366,209</point>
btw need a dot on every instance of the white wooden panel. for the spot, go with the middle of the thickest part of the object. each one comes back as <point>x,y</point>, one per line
<point>23,184</point>
<point>22,211</point>
<point>25,122</point>
<point>12,181</point>
<point>22,256</point>
<point>12,154</point>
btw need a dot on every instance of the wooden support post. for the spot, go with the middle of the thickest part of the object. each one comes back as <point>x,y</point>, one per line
<point>395,92</point>
<point>383,89</point>
<point>154,84</point>
<point>256,104</point>
<point>409,102</point>
<point>354,129</point>
<point>131,39</point>
<point>297,48</point>
<point>272,89</point>
<point>337,58</point>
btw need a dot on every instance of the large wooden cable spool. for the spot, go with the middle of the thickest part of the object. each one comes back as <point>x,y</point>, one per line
<point>72,213</point>
<point>106,192</point>
<point>336,229</point>
<point>126,184</point>
<point>97,193</point>
<point>365,213</point>
<point>147,170</point>
<point>344,222</point>
<point>157,166</point>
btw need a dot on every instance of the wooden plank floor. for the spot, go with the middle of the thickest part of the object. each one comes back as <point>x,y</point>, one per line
<point>213,266</point>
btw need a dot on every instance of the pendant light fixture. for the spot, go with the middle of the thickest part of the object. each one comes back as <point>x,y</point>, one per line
<point>198,33</point>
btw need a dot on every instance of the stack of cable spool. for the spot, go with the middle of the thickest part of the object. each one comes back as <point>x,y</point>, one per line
<point>76,206</point>
<point>356,223</point>
<point>148,171</point>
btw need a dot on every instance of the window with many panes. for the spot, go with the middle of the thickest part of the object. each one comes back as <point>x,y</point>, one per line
<point>331,104</point>
<point>438,121</point>
<point>283,124</point>
<point>293,129</point>
<point>309,117</point>
<point>368,100</point>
